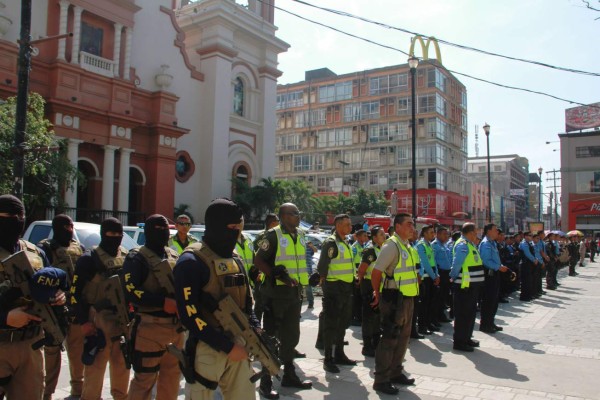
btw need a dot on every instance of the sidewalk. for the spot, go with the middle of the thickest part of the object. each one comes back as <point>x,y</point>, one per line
<point>549,349</point>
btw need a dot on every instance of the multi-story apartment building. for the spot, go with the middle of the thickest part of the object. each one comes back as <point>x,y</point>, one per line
<point>162,102</point>
<point>343,132</point>
<point>510,179</point>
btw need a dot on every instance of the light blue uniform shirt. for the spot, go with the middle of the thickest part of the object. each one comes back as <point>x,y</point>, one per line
<point>525,249</point>
<point>490,256</point>
<point>538,250</point>
<point>443,255</point>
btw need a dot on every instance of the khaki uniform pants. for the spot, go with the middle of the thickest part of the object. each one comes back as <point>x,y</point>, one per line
<point>152,337</point>
<point>391,349</point>
<point>93,375</point>
<point>233,377</point>
<point>52,356</point>
<point>25,367</point>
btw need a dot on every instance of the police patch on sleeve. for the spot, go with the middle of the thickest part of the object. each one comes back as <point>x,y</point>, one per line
<point>263,244</point>
<point>330,252</point>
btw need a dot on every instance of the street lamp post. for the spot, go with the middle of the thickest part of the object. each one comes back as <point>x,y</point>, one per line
<point>413,63</point>
<point>486,129</point>
<point>344,163</point>
<point>540,190</point>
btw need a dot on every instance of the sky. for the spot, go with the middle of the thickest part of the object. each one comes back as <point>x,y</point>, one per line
<point>557,32</point>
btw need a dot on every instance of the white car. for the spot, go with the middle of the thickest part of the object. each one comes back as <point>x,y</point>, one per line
<point>86,233</point>
<point>137,233</point>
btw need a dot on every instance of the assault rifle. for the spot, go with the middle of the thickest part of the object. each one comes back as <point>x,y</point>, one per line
<point>19,271</point>
<point>259,346</point>
<point>115,302</point>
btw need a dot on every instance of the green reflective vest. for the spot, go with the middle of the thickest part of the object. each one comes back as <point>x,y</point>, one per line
<point>430,256</point>
<point>370,267</point>
<point>174,244</point>
<point>341,268</point>
<point>246,252</point>
<point>359,252</point>
<point>472,268</point>
<point>405,273</point>
<point>292,256</point>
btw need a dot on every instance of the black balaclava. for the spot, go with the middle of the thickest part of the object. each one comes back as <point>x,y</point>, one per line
<point>156,239</point>
<point>61,234</point>
<point>111,244</point>
<point>10,228</point>
<point>219,214</point>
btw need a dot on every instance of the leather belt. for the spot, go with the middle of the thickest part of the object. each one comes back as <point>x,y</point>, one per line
<point>18,335</point>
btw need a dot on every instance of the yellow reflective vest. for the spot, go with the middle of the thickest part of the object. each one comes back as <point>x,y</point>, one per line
<point>341,268</point>
<point>405,273</point>
<point>472,268</point>
<point>292,256</point>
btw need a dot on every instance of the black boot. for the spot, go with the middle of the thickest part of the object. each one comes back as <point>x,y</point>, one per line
<point>368,350</point>
<point>329,365</point>
<point>290,379</point>
<point>341,358</point>
<point>266,388</point>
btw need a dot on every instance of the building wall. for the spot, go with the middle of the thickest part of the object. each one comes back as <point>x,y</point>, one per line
<point>580,181</point>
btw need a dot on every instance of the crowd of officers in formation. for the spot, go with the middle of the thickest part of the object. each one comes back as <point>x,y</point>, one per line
<point>398,284</point>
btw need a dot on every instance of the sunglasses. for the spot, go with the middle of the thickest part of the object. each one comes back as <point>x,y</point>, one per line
<point>184,223</point>
<point>294,213</point>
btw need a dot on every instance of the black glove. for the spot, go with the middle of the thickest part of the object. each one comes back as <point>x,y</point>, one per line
<point>279,271</point>
<point>314,279</point>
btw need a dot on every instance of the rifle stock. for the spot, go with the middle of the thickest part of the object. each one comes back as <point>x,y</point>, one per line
<point>20,271</point>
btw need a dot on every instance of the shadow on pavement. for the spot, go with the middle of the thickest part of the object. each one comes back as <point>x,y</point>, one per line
<point>518,344</point>
<point>496,367</point>
<point>427,355</point>
<point>344,385</point>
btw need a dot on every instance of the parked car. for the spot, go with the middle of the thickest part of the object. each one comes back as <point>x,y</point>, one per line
<point>86,233</point>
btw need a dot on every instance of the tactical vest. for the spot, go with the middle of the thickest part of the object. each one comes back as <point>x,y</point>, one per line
<point>472,268</point>
<point>246,252</point>
<point>341,268</point>
<point>405,273</point>
<point>35,259</point>
<point>151,283</point>
<point>112,266</point>
<point>226,278</point>
<point>430,257</point>
<point>370,267</point>
<point>63,257</point>
<point>292,256</point>
<point>174,244</point>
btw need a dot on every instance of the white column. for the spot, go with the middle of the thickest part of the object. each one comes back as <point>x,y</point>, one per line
<point>76,34</point>
<point>127,62</point>
<point>117,49</point>
<point>73,155</point>
<point>62,28</point>
<point>108,177</point>
<point>124,180</point>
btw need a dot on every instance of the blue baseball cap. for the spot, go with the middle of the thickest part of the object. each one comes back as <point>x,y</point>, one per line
<point>46,282</point>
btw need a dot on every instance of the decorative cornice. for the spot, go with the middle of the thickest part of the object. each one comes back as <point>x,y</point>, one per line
<point>179,42</point>
<point>266,70</point>
<point>217,48</point>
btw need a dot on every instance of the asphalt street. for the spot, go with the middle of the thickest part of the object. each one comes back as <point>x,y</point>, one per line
<point>549,349</point>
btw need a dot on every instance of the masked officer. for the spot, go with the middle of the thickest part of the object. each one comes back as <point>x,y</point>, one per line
<point>336,269</point>
<point>281,256</point>
<point>395,294</point>
<point>93,268</point>
<point>63,251</point>
<point>147,274</point>
<point>467,276</point>
<point>490,257</point>
<point>430,281</point>
<point>21,365</point>
<point>198,283</point>
<point>182,239</point>
<point>370,316</point>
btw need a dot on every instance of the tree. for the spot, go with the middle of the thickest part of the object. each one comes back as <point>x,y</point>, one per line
<point>595,8</point>
<point>48,172</point>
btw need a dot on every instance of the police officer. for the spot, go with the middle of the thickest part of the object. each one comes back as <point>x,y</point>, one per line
<point>63,251</point>
<point>218,360</point>
<point>490,256</point>
<point>538,269</point>
<point>21,366</point>
<point>245,249</point>
<point>443,261</point>
<point>397,261</point>
<point>182,239</point>
<point>336,270</point>
<point>281,256</point>
<point>93,268</point>
<point>156,323</point>
<point>271,221</point>
<point>359,245</point>
<point>528,262</point>
<point>430,281</point>
<point>467,276</point>
<point>370,316</point>
<point>553,251</point>
<point>573,248</point>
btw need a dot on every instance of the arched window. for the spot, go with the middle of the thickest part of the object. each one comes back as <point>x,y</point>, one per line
<point>238,97</point>
<point>241,175</point>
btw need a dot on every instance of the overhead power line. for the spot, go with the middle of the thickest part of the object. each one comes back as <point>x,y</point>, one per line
<point>426,61</point>
<point>460,46</point>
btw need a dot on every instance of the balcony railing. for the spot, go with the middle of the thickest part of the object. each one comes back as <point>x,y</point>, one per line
<point>96,216</point>
<point>96,64</point>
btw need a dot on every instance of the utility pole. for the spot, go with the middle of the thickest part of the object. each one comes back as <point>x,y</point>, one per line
<point>554,178</point>
<point>24,65</point>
